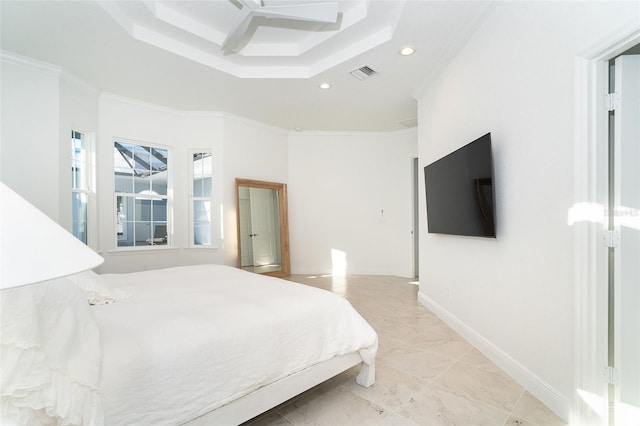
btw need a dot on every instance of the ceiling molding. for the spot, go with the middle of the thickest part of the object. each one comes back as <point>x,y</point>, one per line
<point>362,26</point>
<point>16,59</point>
<point>132,48</point>
<point>443,62</point>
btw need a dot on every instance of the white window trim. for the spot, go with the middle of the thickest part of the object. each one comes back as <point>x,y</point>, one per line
<point>169,197</point>
<point>192,198</point>
<point>92,211</point>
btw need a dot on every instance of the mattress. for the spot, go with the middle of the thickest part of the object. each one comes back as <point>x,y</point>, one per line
<point>191,339</point>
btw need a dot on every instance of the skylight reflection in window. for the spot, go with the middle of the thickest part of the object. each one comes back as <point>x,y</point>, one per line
<point>138,160</point>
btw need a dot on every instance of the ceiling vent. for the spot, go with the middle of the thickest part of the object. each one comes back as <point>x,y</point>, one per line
<point>363,73</point>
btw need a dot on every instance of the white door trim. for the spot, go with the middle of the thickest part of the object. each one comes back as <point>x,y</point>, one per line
<point>590,197</point>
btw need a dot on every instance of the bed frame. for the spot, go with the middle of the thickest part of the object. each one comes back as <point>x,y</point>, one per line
<point>274,394</point>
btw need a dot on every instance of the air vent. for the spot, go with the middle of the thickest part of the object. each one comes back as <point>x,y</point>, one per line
<point>412,122</point>
<point>363,73</point>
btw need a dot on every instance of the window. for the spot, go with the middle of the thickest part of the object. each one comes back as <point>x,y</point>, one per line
<point>201,172</point>
<point>80,184</point>
<point>141,180</point>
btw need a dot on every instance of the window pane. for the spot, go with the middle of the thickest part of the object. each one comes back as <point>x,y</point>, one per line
<point>158,182</point>
<point>123,183</point>
<point>125,234</point>
<point>75,174</point>
<point>142,170</point>
<point>142,185</point>
<point>143,233</point>
<point>158,161</point>
<point>79,161</point>
<point>142,159</point>
<point>80,168</point>
<point>123,167</point>
<point>202,234</point>
<point>160,235</point>
<point>159,210</point>
<point>202,222</point>
<point>79,215</point>
<point>202,189</point>
<point>142,209</point>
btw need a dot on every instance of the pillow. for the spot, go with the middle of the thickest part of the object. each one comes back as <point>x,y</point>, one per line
<point>97,291</point>
<point>51,356</point>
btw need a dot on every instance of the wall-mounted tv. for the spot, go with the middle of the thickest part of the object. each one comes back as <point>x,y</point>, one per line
<point>460,191</point>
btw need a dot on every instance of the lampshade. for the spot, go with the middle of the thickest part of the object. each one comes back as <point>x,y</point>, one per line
<point>35,248</point>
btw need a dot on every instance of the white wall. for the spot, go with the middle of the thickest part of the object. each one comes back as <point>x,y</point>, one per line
<point>351,192</point>
<point>78,111</point>
<point>130,120</point>
<point>30,129</point>
<point>241,148</point>
<point>513,296</point>
<point>41,104</point>
<point>251,151</point>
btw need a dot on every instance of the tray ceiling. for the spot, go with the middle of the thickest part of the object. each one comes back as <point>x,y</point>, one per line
<point>168,53</point>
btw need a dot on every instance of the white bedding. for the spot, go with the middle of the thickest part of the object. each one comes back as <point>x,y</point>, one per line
<point>191,339</point>
<point>50,356</point>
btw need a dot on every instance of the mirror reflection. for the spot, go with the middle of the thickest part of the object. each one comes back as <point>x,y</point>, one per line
<point>262,227</point>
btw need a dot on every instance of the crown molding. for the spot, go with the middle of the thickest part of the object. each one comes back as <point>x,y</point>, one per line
<point>16,59</point>
<point>78,82</point>
<point>353,133</point>
<point>448,56</point>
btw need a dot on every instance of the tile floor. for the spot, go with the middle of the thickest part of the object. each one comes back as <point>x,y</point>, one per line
<point>426,374</point>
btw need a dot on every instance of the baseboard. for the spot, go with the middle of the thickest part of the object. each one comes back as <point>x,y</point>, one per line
<point>542,390</point>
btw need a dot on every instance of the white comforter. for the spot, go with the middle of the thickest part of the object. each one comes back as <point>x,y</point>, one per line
<point>191,339</point>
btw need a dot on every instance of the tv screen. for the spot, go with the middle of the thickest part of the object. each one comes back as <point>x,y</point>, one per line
<point>460,191</point>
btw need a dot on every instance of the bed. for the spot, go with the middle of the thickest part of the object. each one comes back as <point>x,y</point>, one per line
<point>196,345</point>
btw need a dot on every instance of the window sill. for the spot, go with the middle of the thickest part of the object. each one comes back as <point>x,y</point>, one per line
<point>140,249</point>
<point>198,248</point>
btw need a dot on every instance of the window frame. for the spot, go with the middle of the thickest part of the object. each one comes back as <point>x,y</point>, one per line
<point>169,197</point>
<point>193,199</point>
<point>88,141</point>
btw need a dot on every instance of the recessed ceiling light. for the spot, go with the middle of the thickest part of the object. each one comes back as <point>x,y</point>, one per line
<point>325,86</point>
<point>406,51</point>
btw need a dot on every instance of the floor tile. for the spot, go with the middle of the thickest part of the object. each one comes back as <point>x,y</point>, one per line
<point>489,386</point>
<point>270,418</point>
<point>531,409</point>
<point>427,374</point>
<point>334,406</point>
<point>391,388</point>
<point>514,421</point>
<point>434,405</point>
<point>423,365</point>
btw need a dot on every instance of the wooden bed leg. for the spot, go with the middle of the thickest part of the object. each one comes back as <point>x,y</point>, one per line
<point>367,375</point>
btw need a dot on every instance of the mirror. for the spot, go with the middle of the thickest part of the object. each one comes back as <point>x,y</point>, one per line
<point>262,227</point>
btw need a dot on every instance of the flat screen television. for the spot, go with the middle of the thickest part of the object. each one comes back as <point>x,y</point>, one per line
<point>460,191</point>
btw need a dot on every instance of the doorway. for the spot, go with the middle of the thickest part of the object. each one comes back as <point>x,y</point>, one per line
<point>415,232</point>
<point>608,239</point>
<point>624,245</point>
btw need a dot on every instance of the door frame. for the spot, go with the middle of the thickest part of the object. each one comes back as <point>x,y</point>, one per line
<point>591,401</point>
<point>415,211</point>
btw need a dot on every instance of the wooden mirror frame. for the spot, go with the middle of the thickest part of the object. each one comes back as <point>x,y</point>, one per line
<point>281,189</point>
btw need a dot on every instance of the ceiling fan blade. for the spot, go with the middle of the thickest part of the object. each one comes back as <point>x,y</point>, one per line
<point>250,4</point>
<point>314,12</point>
<point>233,39</point>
